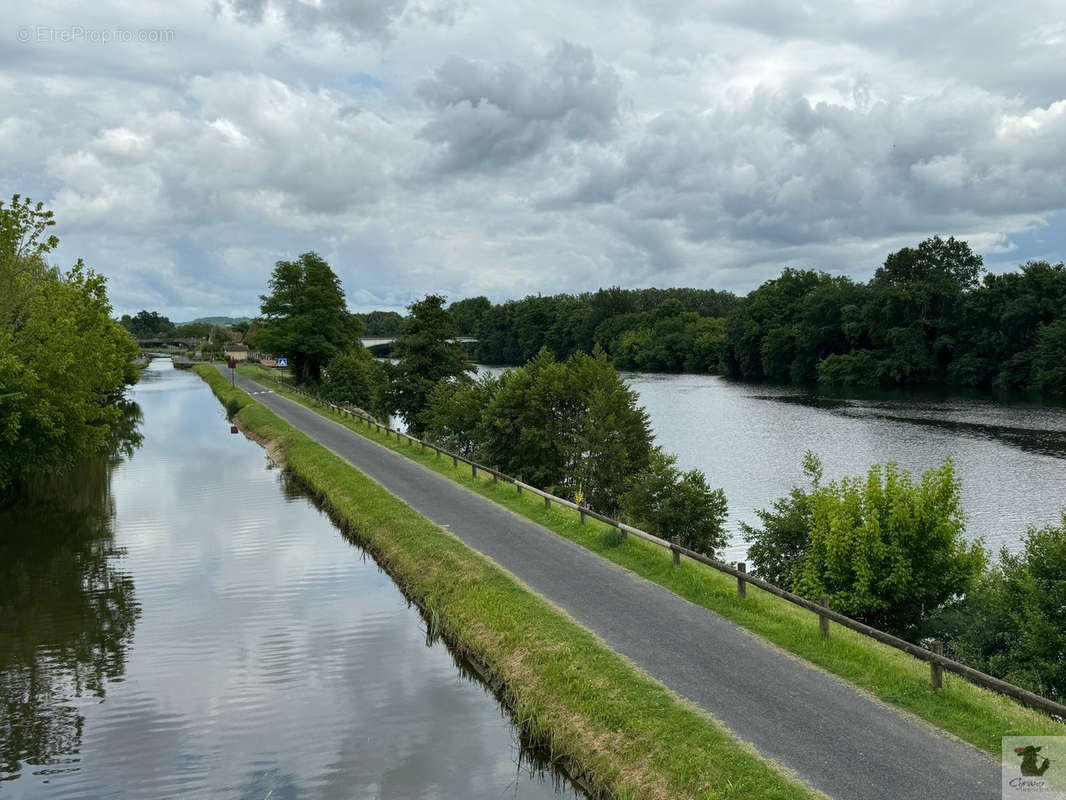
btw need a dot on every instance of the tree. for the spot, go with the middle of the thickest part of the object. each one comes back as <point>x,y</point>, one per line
<point>1049,358</point>
<point>64,362</point>
<point>777,549</point>
<point>147,325</point>
<point>381,323</point>
<point>455,412</point>
<point>305,317</point>
<point>425,354</point>
<point>466,314</point>
<point>353,377</point>
<point>934,261</point>
<point>572,426</point>
<point>888,550</point>
<point>670,503</point>
<point>193,330</point>
<point>1011,624</point>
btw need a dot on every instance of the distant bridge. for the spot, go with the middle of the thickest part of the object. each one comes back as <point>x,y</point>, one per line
<point>188,343</point>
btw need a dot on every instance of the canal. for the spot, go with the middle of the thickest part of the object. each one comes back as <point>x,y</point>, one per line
<point>177,618</point>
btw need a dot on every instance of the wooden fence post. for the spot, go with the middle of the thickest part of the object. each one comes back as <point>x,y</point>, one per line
<point>581,511</point>
<point>455,461</point>
<point>495,478</point>
<point>547,502</point>
<point>473,470</point>
<point>936,672</point>
<point>518,484</point>
<point>742,585</point>
<point>676,541</point>
<point>823,620</point>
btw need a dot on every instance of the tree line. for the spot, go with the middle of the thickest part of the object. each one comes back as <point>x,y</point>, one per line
<point>887,548</point>
<point>64,362</point>
<point>929,316</point>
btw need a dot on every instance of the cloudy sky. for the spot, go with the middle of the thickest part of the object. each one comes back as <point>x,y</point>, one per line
<point>473,147</point>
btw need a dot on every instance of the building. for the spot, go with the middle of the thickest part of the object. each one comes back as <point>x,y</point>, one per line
<point>238,352</point>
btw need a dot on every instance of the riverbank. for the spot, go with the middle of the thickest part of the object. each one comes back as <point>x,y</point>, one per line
<point>622,733</point>
<point>973,714</point>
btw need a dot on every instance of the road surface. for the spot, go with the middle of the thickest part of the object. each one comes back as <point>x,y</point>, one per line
<point>829,734</point>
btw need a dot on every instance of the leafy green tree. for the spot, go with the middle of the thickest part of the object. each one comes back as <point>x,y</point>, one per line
<point>220,337</point>
<point>425,355</point>
<point>455,412</point>
<point>381,323</point>
<point>466,314</point>
<point>1011,624</point>
<point>934,262</point>
<point>355,378</point>
<point>193,330</point>
<point>777,549</point>
<point>64,362</point>
<point>147,325</point>
<point>670,503</point>
<point>305,317</point>
<point>573,426</point>
<point>1049,358</point>
<point>889,550</point>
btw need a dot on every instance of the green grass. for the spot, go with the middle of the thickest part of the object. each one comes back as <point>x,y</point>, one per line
<point>624,733</point>
<point>973,714</point>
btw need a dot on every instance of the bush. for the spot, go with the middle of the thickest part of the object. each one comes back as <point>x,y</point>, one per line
<point>1012,624</point>
<point>667,502</point>
<point>887,550</point>
<point>233,405</point>
<point>777,549</point>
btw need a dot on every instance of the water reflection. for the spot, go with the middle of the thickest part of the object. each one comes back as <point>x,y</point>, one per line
<point>271,657</point>
<point>67,609</point>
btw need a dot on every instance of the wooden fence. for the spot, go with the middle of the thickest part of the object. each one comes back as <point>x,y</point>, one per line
<point>938,662</point>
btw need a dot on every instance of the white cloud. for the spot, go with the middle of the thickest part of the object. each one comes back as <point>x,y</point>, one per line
<point>514,148</point>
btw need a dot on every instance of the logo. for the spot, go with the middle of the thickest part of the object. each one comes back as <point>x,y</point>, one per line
<point>1031,767</point>
<point>1029,759</point>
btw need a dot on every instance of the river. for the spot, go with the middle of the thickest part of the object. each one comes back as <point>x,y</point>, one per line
<point>178,619</point>
<point>749,439</point>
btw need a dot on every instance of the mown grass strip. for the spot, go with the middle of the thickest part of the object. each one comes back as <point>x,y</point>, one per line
<point>975,715</point>
<point>627,734</point>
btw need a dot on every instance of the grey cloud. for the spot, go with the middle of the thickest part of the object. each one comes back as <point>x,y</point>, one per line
<point>358,19</point>
<point>779,171</point>
<point>702,143</point>
<point>490,116</point>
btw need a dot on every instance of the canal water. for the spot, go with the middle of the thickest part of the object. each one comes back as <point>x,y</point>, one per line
<point>177,619</point>
<point>749,439</point>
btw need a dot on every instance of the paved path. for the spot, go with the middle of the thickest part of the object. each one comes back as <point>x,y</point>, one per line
<point>833,737</point>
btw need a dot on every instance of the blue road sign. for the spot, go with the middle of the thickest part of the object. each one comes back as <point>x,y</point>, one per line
<point>283,362</point>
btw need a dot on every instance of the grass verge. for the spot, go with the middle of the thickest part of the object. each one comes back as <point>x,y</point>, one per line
<point>623,733</point>
<point>975,715</point>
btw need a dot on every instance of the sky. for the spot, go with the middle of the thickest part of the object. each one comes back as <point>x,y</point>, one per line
<point>468,147</point>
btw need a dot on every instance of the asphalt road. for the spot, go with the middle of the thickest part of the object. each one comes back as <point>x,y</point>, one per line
<point>830,735</point>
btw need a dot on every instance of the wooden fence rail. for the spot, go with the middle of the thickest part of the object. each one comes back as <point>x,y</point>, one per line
<point>938,662</point>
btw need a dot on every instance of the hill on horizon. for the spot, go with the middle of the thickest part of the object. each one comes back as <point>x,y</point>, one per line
<point>217,320</point>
